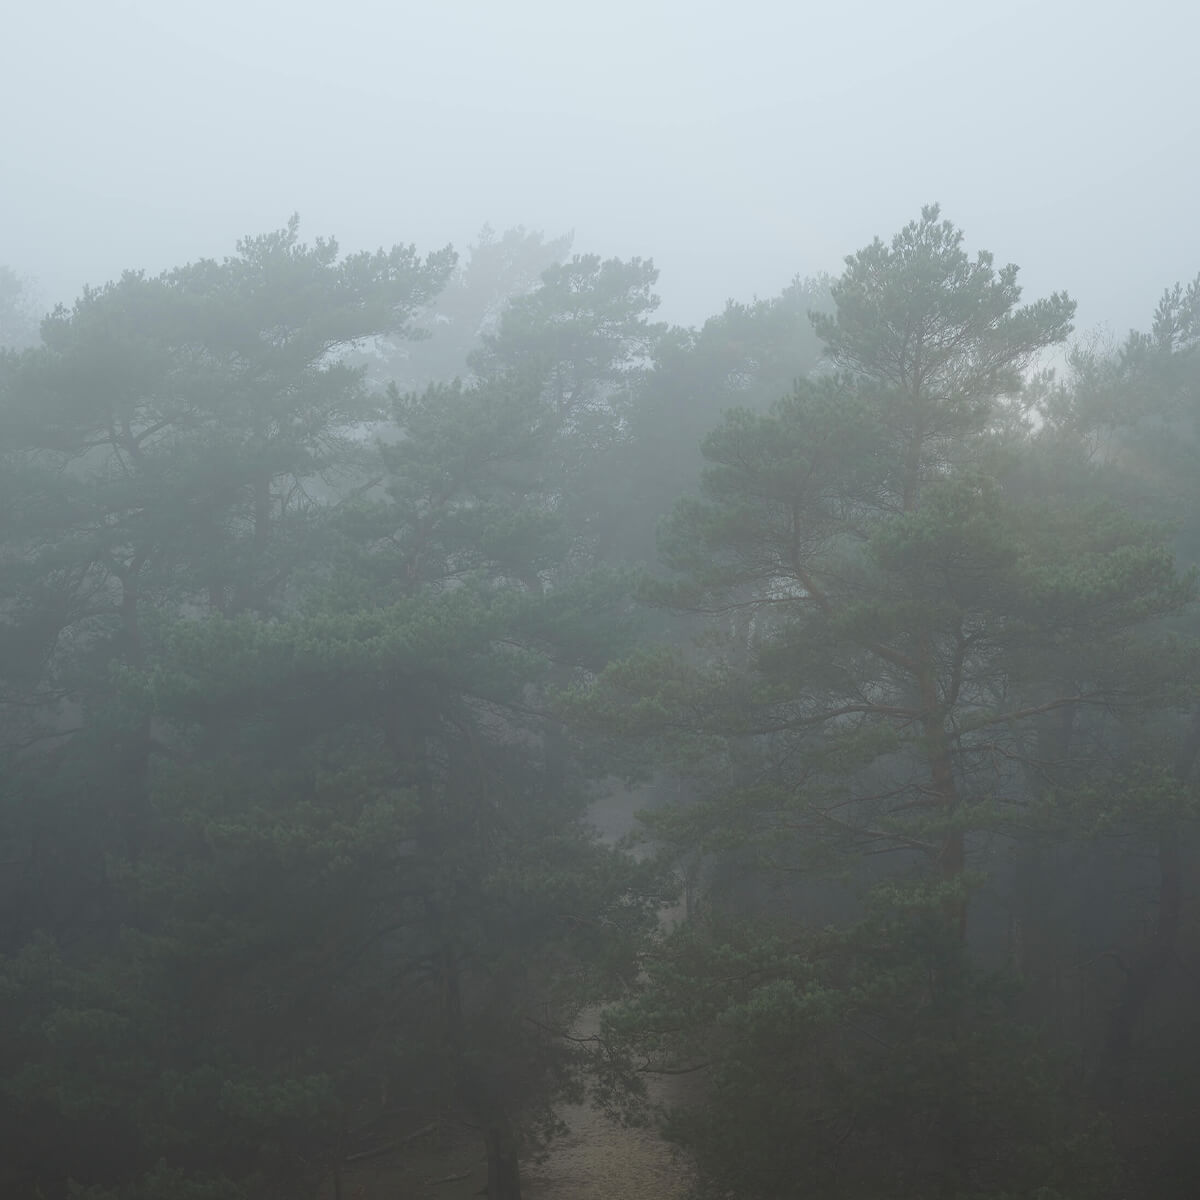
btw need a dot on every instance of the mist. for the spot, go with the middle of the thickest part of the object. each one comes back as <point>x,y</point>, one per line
<point>736,147</point>
<point>570,623</point>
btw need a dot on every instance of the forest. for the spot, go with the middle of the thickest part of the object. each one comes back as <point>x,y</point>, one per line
<point>340,593</point>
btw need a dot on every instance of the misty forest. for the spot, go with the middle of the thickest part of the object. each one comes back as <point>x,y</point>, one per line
<point>448,715</point>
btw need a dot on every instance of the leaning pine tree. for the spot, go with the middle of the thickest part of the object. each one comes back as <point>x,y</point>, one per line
<point>891,622</point>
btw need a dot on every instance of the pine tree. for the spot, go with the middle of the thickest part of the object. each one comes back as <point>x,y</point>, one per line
<point>893,621</point>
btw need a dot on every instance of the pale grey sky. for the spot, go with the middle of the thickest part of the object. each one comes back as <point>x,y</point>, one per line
<point>735,143</point>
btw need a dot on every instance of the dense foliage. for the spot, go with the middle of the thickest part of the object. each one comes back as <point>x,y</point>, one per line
<point>328,612</point>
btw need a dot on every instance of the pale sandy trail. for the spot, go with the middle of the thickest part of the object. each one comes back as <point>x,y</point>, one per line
<point>599,1160</point>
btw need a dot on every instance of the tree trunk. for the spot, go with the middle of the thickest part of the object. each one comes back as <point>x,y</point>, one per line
<point>504,1169</point>
<point>246,591</point>
<point>262,513</point>
<point>952,852</point>
<point>132,751</point>
<point>1145,974</point>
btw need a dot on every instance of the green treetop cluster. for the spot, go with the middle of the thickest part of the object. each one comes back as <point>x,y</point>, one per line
<point>336,591</point>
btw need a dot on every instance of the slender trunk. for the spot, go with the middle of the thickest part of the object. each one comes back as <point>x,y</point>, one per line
<point>1147,971</point>
<point>1145,974</point>
<point>504,1168</point>
<point>245,590</point>
<point>952,852</point>
<point>133,765</point>
<point>472,1090</point>
<point>953,1147</point>
<point>262,513</point>
<point>131,635</point>
<point>1036,953</point>
<point>132,751</point>
<point>912,472</point>
<point>952,856</point>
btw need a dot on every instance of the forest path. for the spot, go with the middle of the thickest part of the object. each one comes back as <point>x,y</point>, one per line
<point>599,1160</point>
<point>596,1160</point>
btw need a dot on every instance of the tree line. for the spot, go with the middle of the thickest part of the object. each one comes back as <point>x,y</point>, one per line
<point>336,589</point>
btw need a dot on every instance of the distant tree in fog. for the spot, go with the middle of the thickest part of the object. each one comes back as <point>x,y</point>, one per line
<point>19,313</point>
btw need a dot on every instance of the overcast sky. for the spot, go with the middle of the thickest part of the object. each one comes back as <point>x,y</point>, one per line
<point>735,143</point>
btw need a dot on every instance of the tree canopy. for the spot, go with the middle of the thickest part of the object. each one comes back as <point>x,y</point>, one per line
<point>339,594</point>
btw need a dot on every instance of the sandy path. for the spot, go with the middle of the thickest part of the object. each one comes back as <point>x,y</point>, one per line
<point>599,1160</point>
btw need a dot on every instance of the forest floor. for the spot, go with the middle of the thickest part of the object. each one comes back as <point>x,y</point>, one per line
<point>596,1160</point>
<point>600,1159</point>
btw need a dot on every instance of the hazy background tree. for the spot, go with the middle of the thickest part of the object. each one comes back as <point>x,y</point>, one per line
<point>19,310</point>
<point>495,270</point>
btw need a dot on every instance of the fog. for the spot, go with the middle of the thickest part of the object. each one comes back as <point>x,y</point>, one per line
<point>737,145</point>
<point>782,734</point>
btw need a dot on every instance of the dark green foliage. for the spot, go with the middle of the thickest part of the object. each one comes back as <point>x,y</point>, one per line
<point>302,858</point>
<point>859,1061</point>
<point>896,619</point>
<point>302,729</point>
